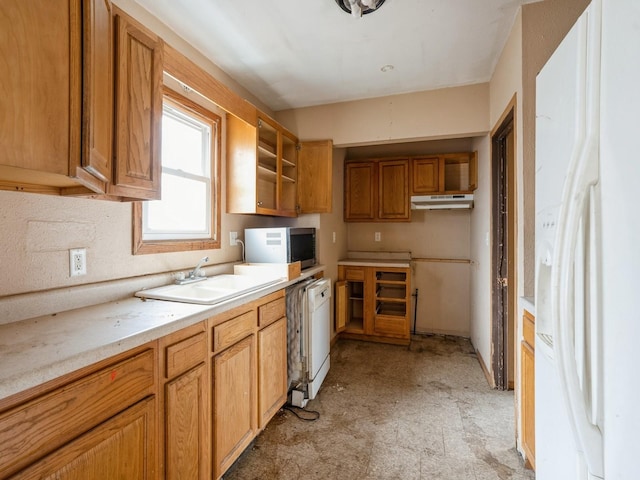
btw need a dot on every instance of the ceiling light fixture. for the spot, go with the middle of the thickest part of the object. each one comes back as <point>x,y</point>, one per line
<point>357,8</point>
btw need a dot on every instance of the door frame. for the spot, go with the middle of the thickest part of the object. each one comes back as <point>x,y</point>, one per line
<point>503,322</point>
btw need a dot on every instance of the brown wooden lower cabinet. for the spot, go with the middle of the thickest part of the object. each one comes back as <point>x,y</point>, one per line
<point>373,303</point>
<point>272,371</point>
<point>187,442</point>
<point>528,389</point>
<point>122,447</point>
<point>249,375</point>
<point>234,402</point>
<point>86,424</point>
<point>182,407</point>
<point>186,404</point>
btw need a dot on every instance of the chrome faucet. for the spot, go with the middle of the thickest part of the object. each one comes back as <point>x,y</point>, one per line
<point>193,275</point>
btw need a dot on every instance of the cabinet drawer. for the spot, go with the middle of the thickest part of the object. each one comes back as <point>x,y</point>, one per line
<point>356,274</point>
<point>37,427</point>
<point>270,312</point>
<point>183,355</point>
<point>234,330</point>
<point>390,326</point>
<point>528,329</point>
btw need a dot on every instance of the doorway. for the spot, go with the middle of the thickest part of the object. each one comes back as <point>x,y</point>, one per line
<point>503,211</point>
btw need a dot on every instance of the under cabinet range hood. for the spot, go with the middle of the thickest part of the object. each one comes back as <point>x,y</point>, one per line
<point>441,202</point>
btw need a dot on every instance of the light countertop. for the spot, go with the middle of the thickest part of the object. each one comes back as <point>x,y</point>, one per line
<point>396,259</point>
<point>375,262</point>
<point>528,303</point>
<point>40,349</point>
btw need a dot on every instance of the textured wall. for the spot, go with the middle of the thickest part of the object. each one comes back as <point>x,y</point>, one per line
<point>444,113</point>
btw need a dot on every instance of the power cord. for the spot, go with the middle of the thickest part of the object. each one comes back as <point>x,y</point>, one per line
<point>307,416</point>
<point>241,243</point>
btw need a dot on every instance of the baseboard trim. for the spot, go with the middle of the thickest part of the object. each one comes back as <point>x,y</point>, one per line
<point>485,370</point>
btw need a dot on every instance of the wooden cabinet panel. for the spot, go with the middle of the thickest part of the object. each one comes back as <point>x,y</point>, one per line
<point>342,306</point>
<point>528,403</point>
<point>122,447</point>
<point>268,165</point>
<point>138,110</point>
<point>373,303</point>
<point>383,325</point>
<point>185,354</point>
<point>446,173</point>
<point>360,181</point>
<point>269,173</point>
<point>187,446</point>
<point>271,311</point>
<point>83,100</point>
<point>234,402</point>
<point>98,106</point>
<point>425,175</point>
<point>186,404</point>
<point>393,190</point>
<point>272,370</point>
<point>377,191</point>
<point>41,84</point>
<point>527,389</point>
<point>231,331</point>
<point>528,329</point>
<point>241,166</point>
<point>473,171</point>
<point>288,175</point>
<point>354,273</point>
<point>42,99</point>
<point>315,180</point>
<point>48,422</point>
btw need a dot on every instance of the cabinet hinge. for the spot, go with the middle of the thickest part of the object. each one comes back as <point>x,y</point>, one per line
<point>259,123</point>
<point>298,147</point>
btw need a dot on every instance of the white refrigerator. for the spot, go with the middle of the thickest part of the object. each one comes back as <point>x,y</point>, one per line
<point>588,249</point>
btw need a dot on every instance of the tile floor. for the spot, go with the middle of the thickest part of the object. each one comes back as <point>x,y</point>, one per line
<point>389,412</point>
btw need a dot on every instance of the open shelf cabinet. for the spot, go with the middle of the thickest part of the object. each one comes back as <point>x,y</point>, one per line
<point>373,303</point>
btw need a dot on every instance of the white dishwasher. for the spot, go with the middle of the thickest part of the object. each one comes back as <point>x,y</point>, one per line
<point>318,337</point>
<point>309,337</point>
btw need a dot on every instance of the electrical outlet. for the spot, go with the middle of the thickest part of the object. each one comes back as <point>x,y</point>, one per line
<point>377,237</point>
<point>233,238</point>
<point>77,262</point>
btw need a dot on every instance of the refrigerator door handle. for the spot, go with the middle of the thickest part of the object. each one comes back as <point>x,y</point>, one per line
<point>589,437</point>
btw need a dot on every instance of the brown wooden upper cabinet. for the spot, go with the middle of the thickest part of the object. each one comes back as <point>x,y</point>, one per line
<point>445,173</point>
<point>377,191</point>
<point>137,164</point>
<point>315,181</point>
<point>58,103</point>
<point>264,173</point>
<point>393,190</point>
<point>359,191</point>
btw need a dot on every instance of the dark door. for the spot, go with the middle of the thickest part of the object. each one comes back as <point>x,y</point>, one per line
<point>503,246</point>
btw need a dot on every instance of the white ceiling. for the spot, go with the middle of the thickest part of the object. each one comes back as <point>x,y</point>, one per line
<point>296,53</point>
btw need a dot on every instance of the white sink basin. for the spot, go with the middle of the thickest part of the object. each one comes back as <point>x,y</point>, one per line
<point>210,291</point>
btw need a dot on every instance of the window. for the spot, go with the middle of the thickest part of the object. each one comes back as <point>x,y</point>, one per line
<point>187,217</point>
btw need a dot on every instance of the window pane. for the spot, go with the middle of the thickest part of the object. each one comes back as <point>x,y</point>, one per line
<point>185,143</point>
<point>184,218</point>
<point>183,211</point>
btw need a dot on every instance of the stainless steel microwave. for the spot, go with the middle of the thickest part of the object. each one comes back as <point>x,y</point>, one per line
<point>281,245</point>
